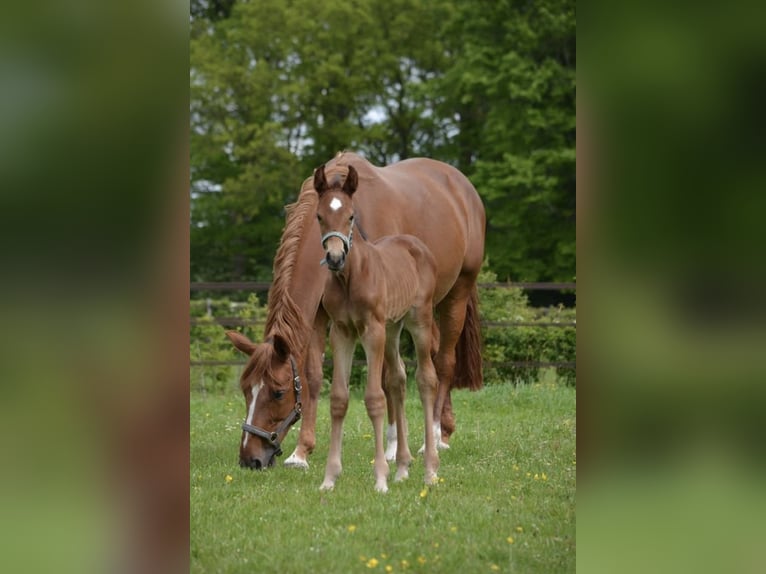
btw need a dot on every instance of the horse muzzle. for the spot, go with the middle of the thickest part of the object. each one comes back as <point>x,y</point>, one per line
<point>335,261</point>
<point>262,462</point>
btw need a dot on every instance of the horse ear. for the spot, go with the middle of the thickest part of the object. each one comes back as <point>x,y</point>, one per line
<point>281,348</point>
<point>241,342</point>
<point>352,180</point>
<point>320,182</point>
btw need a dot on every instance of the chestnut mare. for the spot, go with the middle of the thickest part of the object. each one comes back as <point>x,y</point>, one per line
<point>422,197</point>
<point>374,290</point>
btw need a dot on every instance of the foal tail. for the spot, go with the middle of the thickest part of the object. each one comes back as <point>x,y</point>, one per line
<point>468,361</point>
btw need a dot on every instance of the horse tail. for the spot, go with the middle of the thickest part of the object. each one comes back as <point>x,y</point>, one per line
<point>468,360</point>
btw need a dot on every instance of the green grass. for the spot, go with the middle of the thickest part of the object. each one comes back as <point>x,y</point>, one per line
<point>509,473</point>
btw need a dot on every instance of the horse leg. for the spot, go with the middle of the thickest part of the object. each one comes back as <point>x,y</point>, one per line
<point>373,337</point>
<point>343,343</point>
<point>396,380</point>
<point>313,370</point>
<point>390,415</point>
<point>452,311</point>
<point>427,386</point>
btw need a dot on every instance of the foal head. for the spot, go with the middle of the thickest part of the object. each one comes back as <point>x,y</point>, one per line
<point>335,213</point>
<point>272,393</point>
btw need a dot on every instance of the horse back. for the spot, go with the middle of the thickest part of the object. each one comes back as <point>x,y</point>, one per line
<point>425,198</point>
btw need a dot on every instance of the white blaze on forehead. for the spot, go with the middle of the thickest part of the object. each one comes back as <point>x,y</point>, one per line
<point>336,204</point>
<point>251,410</point>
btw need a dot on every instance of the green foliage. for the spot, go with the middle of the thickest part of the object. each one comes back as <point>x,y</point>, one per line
<point>208,341</point>
<point>501,344</point>
<point>512,343</point>
<point>510,472</point>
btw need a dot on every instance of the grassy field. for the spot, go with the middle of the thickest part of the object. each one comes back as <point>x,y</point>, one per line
<point>505,501</point>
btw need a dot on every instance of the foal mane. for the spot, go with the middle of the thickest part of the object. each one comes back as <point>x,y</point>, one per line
<point>285,317</point>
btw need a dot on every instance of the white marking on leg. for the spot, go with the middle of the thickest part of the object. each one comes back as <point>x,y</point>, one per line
<point>336,204</point>
<point>391,440</point>
<point>251,410</point>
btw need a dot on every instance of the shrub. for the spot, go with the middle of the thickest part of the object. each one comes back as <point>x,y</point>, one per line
<point>506,344</point>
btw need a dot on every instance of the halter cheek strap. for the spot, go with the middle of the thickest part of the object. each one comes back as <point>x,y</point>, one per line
<point>273,437</point>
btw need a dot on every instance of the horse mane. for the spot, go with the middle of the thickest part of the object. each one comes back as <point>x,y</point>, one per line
<point>285,317</point>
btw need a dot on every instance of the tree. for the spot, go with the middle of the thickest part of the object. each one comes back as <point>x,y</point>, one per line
<point>279,87</point>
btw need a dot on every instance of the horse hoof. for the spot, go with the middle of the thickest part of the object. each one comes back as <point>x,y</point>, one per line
<point>391,452</point>
<point>442,445</point>
<point>402,475</point>
<point>381,488</point>
<point>326,486</point>
<point>293,461</point>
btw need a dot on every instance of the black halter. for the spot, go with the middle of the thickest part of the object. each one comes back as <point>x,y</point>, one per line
<point>273,437</point>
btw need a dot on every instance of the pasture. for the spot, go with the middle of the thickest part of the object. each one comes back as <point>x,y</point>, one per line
<point>505,500</point>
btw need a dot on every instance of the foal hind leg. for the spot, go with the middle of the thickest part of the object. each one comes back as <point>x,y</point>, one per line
<point>397,382</point>
<point>391,416</point>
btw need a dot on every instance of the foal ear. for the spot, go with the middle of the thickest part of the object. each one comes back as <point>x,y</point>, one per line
<point>281,348</point>
<point>320,182</point>
<point>241,342</point>
<point>352,180</point>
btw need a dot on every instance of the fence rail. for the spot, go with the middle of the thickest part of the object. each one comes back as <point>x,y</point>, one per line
<point>265,285</point>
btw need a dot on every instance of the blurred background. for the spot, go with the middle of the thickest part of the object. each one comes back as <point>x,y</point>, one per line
<point>670,261</point>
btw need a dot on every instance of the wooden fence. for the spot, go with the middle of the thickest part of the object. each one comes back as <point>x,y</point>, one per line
<point>264,286</point>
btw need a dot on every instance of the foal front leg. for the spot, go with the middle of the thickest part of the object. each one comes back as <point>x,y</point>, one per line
<point>343,343</point>
<point>374,340</point>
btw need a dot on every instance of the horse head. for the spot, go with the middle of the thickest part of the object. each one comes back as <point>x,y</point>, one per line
<point>272,391</point>
<point>335,213</point>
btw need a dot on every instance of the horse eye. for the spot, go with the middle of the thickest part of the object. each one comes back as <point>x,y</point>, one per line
<point>278,395</point>
<point>319,218</point>
<point>351,219</point>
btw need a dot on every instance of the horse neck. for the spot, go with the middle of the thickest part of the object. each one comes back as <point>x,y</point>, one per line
<point>362,251</point>
<point>301,293</point>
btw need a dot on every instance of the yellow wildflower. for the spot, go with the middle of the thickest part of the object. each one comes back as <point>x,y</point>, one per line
<point>384,555</point>
<point>422,560</point>
<point>351,527</point>
<point>229,478</point>
<point>545,476</point>
<point>453,528</point>
<point>424,493</point>
<point>519,529</point>
<point>372,563</point>
<point>405,563</point>
<point>389,568</point>
<point>494,567</point>
<point>509,540</point>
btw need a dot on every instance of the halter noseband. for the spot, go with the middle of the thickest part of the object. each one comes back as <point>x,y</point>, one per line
<point>273,437</point>
<point>346,239</point>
